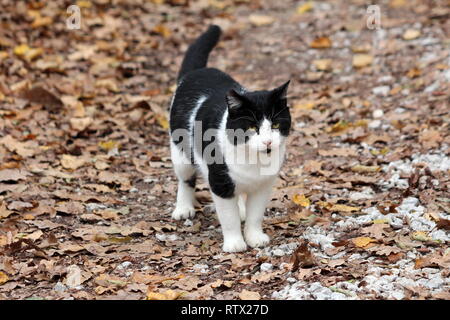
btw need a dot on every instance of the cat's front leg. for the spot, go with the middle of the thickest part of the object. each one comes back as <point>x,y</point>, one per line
<point>256,206</point>
<point>228,213</point>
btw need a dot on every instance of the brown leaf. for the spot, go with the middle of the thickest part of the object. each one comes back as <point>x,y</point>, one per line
<point>249,295</point>
<point>443,224</point>
<point>44,97</point>
<point>302,257</point>
<point>13,174</point>
<point>338,152</point>
<point>23,149</point>
<point>70,207</point>
<point>106,280</point>
<point>430,138</point>
<point>321,43</point>
<point>4,212</point>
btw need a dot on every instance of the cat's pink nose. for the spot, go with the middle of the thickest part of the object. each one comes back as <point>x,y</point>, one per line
<point>267,142</point>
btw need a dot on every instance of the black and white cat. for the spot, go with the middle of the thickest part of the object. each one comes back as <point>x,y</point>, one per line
<point>235,138</point>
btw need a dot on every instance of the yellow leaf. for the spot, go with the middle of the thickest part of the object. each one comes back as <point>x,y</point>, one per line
<point>308,6</point>
<point>322,64</point>
<point>380,221</point>
<point>336,207</point>
<point>84,4</point>
<point>340,126</point>
<point>344,208</point>
<point>321,43</point>
<point>363,168</point>
<point>420,236</point>
<point>382,152</point>
<point>41,22</point>
<point>397,3</point>
<point>260,20</point>
<point>305,105</point>
<point>362,60</point>
<point>28,53</point>
<point>21,50</point>
<point>362,242</point>
<point>162,30</point>
<point>411,34</point>
<point>162,121</point>
<point>109,145</point>
<point>301,200</point>
<point>3,278</point>
<point>167,295</point>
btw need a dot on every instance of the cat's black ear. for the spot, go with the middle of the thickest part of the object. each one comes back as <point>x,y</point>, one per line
<point>234,100</point>
<point>281,91</point>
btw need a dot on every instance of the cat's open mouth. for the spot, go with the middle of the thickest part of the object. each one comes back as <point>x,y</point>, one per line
<point>268,150</point>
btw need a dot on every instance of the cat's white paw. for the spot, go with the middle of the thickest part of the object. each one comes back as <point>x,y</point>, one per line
<point>256,239</point>
<point>183,212</point>
<point>234,244</point>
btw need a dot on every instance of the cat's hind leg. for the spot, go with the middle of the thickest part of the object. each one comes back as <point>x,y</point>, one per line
<point>186,174</point>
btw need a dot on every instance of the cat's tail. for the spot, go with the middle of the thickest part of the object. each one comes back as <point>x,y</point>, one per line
<point>197,54</point>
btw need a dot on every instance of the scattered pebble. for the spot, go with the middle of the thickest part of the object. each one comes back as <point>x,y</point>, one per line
<point>266,267</point>
<point>378,113</point>
<point>381,91</point>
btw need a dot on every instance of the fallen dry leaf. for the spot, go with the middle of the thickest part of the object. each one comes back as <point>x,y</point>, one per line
<point>362,60</point>
<point>301,200</point>
<point>260,20</point>
<point>321,43</point>
<point>362,242</point>
<point>166,295</point>
<point>249,295</point>
<point>71,162</point>
<point>411,34</point>
<point>3,278</point>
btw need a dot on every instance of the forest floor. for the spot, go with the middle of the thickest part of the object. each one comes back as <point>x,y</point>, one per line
<point>362,206</point>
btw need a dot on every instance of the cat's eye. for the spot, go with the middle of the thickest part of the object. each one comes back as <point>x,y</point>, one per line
<point>252,128</point>
<point>275,126</point>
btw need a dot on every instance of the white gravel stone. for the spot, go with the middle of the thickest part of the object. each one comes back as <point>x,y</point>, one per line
<point>203,268</point>
<point>374,124</point>
<point>381,91</point>
<point>278,252</point>
<point>60,287</point>
<point>266,267</point>
<point>378,113</point>
<point>124,265</point>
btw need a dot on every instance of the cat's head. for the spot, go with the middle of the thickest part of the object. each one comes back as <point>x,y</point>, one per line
<point>262,115</point>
